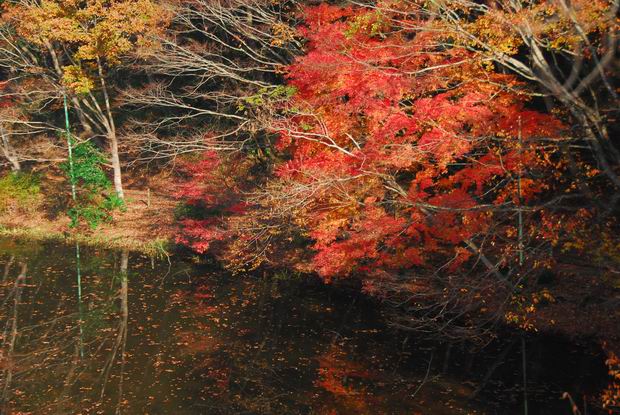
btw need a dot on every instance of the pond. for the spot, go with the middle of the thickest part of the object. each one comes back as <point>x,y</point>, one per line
<point>140,335</point>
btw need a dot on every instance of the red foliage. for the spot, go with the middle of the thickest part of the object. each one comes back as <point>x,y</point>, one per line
<point>405,162</point>
<point>395,155</point>
<point>404,156</point>
<point>211,189</point>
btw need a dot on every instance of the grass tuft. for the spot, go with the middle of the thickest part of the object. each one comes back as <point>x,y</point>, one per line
<point>20,192</point>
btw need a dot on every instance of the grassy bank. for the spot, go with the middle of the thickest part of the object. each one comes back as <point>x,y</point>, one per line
<point>31,209</point>
<point>156,247</point>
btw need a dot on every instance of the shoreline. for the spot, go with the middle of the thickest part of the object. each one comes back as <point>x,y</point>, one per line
<point>154,247</point>
<point>143,227</point>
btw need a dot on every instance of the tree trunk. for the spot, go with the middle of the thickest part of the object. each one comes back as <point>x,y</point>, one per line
<point>116,166</point>
<point>111,130</point>
<point>9,152</point>
<point>15,164</point>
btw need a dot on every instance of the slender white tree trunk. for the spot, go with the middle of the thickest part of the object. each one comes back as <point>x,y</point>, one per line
<point>111,129</point>
<point>116,166</point>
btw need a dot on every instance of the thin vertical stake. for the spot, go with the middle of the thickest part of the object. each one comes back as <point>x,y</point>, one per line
<point>77,244</point>
<point>70,149</point>
<point>79,284</point>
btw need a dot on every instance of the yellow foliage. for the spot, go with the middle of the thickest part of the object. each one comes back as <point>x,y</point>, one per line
<point>76,79</point>
<point>524,312</point>
<point>282,34</point>
<point>99,31</point>
<point>553,25</point>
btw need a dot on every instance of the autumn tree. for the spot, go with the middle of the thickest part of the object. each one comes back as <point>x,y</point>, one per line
<point>406,159</point>
<point>66,48</point>
<point>566,51</point>
<point>420,159</point>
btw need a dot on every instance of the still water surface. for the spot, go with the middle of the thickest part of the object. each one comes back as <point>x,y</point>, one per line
<point>170,336</point>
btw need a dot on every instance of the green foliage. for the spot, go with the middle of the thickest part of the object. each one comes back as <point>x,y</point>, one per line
<point>265,95</point>
<point>87,171</point>
<point>19,190</point>
<point>94,200</point>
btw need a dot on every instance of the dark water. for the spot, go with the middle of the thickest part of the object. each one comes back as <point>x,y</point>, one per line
<point>169,336</point>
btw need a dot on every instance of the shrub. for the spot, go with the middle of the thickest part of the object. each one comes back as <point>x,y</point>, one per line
<point>19,192</point>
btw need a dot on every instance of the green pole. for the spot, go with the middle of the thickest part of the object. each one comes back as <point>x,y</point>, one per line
<point>69,146</point>
<point>79,284</point>
<point>77,244</point>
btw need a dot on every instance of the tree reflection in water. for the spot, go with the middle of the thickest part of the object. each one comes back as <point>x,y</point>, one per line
<point>55,346</point>
<point>180,339</point>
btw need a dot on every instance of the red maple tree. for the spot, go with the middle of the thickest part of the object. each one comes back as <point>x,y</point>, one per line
<point>407,161</point>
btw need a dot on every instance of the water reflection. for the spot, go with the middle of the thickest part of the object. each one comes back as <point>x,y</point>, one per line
<point>10,332</point>
<point>120,342</point>
<point>134,335</point>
